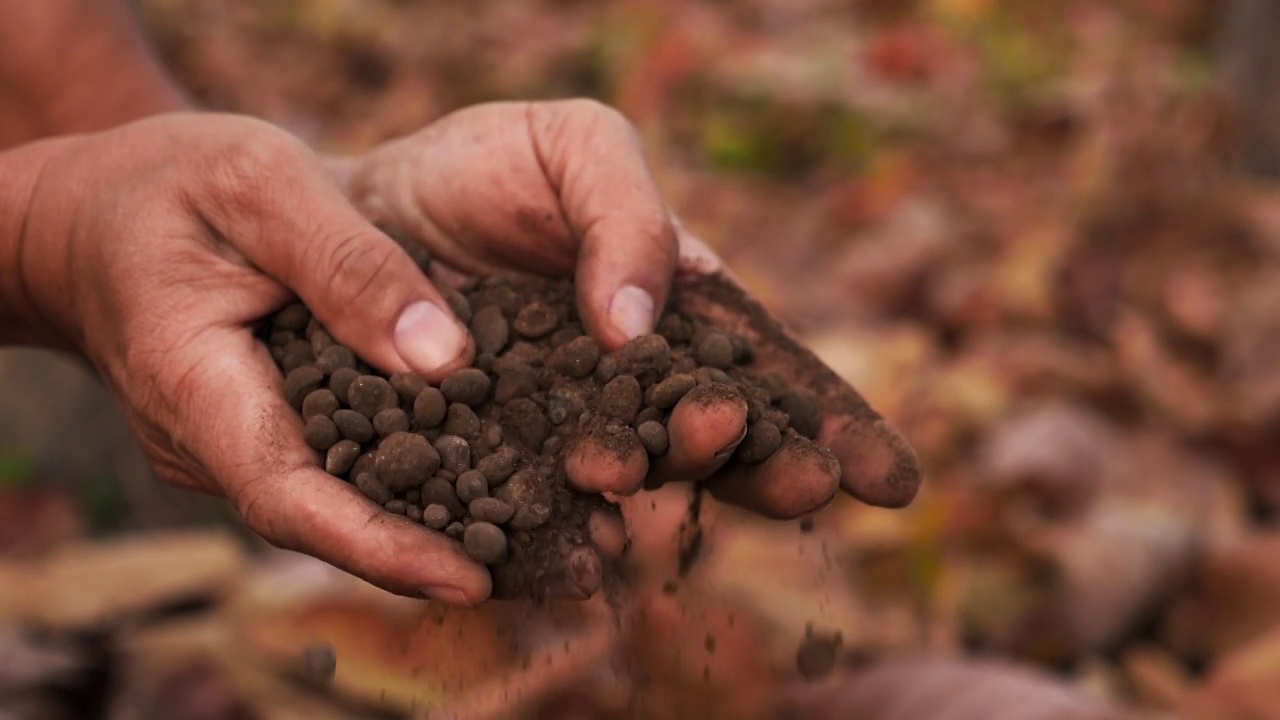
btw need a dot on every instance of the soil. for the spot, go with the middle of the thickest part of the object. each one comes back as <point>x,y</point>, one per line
<point>480,456</point>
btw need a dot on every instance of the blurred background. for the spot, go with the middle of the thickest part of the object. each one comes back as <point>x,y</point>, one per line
<point>1042,238</point>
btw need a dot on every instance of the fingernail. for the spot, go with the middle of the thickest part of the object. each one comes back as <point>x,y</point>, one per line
<point>631,311</point>
<point>450,595</point>
<point>427,338</point>
<point>727,450</point>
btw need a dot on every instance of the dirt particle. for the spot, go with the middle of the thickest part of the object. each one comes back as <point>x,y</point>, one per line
<point>492,510</point>
<point>803,408</point>
<point>408,385</point>
<point>666,394</point>
<point>469,386</point>
<point>319,402</point>
<point>818,653</point>
<point>370,394</point>
<point>647,357</point>
<point>461,420</point>
<point>439,491</point>
<point>526,424</point>
<point>340,382</point>
<point>535,320</point>
<point>334,358</point>
<point>621,398</point>
<point>429,408</point>
<point>471,485</point>
<point>300,383</point>
<point>391,420</point>
<point>653,436</point>
<point>353,425</point>
<point>455,454</point>
<point>458,305</point>
<point>762,440</point>
<point>515,380</point>
<point>715,350</point>
<point>321,433</point>
<point>576,358</point>
<point>485,543</point>
<point>340,457</point>
<point>436,516</point>
<point>368,484</point>
<point>404,459</point>
<point>293,317</point>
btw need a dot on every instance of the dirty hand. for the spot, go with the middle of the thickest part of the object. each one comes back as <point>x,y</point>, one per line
<point>562,188</point>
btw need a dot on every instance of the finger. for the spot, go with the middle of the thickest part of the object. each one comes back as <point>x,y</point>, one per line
<point>877,465</point>
<point>276,205</point>
<point>234,422</point>
<point>607,459</point>
<point>705,427</point>
<point>578,577</point>
<point>799,478</point>
<point>628,248</point>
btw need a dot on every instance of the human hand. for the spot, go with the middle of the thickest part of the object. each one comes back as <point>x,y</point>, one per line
<point>562,188</point>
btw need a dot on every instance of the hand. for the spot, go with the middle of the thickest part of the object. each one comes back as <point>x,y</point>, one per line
<point>562,188</point>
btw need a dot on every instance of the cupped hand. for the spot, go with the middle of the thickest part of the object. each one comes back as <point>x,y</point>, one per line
<point>562,188</point>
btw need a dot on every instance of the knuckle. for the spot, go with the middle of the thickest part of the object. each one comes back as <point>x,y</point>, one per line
<point>249,164</point>
<point>353,268</point>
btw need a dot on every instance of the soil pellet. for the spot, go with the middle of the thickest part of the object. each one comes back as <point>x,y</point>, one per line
<point>321,340</point>
<point>364,464</point>
<point>515,380</point>
<point>492,510</point>
<point>319,402</point>
<point>710,375</point>
<point>458,305</point>
<point>535,320</point>
<point>439,491</point>
<point>301,382</point>
<point>648,414</point>
<point>404,460</point>
<point>367,484</point>
<point>499,466</point>
<point>552,446</point>
<point>335,357</point>
<point>340,457</point>
<point>606,368</point>
<point>461,420</point>
<point>429,408</point>
<point>621,398</point>
<point>292,317</point>
<point>490,330</point>
<point>563,403</point>
<point>413,512</point>
<point>762,440</point>
<point>469,386</point>
<point>389,421</point>
<point>485,543</point>
<point>455,530</point>
<point>471,485</point>
<point>408,385</point>
<point>353,425</point>
<point>653,436</point>
<point>715,350</point>
<point>295,355</point>
<point>370,394</point>
<point>576,358</point>
<point>321,433</point>
<point>666,394</point>
<point>396,506</point>
<point>340,382</point>
<point>436,516</point>
<point>526,423</point>
<point>455,454</point>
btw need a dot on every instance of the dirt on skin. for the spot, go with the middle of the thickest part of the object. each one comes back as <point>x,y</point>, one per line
<point>480,457</point>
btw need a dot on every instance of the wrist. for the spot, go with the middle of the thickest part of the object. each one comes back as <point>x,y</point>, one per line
<point>26,251</point>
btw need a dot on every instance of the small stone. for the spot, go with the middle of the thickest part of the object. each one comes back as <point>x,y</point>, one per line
<point>319,402</point>
<point>553,445</point>
<point>367,484</point>
<point>762,440</point>
<point>455,530</point>
<point>667,393</point>
<point>515,380</point>
<point>647,414</point>
<point>408,386</point>
<point>757,401</point>
<point>413,512</point>
<point>709,375</point>
<point>576,358</point>
<point>404,460</point>
<point>455,454</point>
<point>389,421</point>
<point>471,485</point>
<point>683,365</point>
<point>341,457</point>
<point>364,464</point>
<point>353,425</point>
<point>621,398</point>
<point>335,357</point>
<point>321,433</point>
<point>490,330</point>
<point>499,466</point>
<point>292,317</point>
<point>462,421</point>
<point>321,340</point>
<point>468,386</point>
<point>399,507</point>
<point>535,320</point>
<point>301,382</point>
<point>484,362</point>
<point>715,350</point>
<point>370,395</point>
<point>340,382</point>
<point>653,436</point>
<point>429,408</point>
<point>492,510</point>
<point>802,407</point>
<point>436,516</point>
<point>485,543</point>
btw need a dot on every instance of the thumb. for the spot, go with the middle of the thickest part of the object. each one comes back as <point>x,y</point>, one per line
<point>283,212</point>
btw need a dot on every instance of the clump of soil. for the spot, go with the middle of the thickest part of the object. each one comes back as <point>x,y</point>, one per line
<point>479,457</point>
